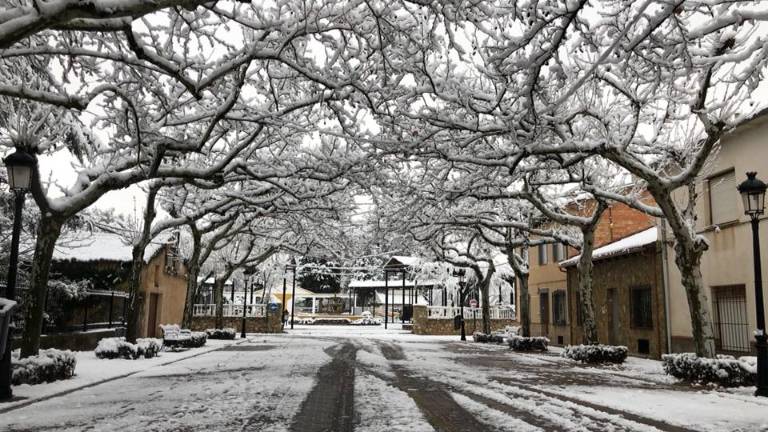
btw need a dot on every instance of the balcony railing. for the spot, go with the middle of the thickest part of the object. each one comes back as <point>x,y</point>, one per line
<point>231,310</point>
<point>448,312</point>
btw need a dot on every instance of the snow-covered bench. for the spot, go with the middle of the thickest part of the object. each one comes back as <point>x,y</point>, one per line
<point>174,337</point>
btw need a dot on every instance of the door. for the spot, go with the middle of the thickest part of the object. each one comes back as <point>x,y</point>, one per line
<point>613,316</point>
<point>544,312</point>
<point>154,299</point>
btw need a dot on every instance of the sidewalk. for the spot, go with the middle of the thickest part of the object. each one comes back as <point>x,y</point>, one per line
<point>91,371</point>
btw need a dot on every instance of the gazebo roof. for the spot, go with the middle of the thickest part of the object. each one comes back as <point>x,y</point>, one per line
<point>399,261</point>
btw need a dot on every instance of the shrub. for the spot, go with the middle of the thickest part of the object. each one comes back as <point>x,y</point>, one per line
<point>225,333</point>
<point>724,370</point>
<point>48,366</point>
<point>596,353</point>
<point>197,339</point>
<point>536,343</point>
<point>118,347</point>
<point>487,338</point>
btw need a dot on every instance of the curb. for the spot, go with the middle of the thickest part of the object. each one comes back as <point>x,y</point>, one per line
<point>106,380</point>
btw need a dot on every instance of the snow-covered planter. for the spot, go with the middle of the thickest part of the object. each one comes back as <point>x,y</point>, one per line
<point>118,347</point>
<point>724,370</point>
<point>596,354</point>
<point>225,333</point>
<point>487,338</point>
<point>48,366</point>
<point>535,343</point>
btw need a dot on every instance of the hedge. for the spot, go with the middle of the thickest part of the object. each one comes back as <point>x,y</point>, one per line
<point>48,366</point>
<point>118,347</point>
<point>536,343</point>
<point>225,333</point>
<point>596,354</point>
<point>726,371</point>
<point>487,338</point>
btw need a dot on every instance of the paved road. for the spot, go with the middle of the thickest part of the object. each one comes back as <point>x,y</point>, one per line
<point>316,382</point>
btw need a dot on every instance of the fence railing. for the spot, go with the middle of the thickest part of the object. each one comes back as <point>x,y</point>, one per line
<point>231,310</point>
<point>448,312</point>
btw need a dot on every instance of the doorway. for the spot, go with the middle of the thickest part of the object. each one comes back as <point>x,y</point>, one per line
<point>613,316</point>
<point>544,312</point>
<point>154,299</point>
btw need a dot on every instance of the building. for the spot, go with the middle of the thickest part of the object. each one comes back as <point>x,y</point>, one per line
<point>726,267</point>
<point>104,260</point>
<point>628,288</point>
<point>547,281</point>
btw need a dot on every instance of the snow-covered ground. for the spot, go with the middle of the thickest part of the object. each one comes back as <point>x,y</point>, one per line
<point>369,379</point>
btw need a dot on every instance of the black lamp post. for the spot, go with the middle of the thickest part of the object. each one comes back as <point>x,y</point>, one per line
<point>752,191</point>
<point>247,273</point>
<point>292,267</point>
<point>460,273</point>
<point>20,165</point>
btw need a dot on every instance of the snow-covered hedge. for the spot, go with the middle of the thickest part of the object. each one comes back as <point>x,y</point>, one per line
<point>225,333</point>
<point>49,365</point>
<point>198,339</point>
<point>536,343</point>
<point>596,353</point>
<point>118,347</point>
<point>724,370</point>
<point>487,338</point>
<point>366,321</point>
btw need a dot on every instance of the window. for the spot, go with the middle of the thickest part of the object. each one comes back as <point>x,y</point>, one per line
<point>558,307</point>
<point>723,198</point>
<point>558,252</point>
<point>641,307</point>
<point>542,254</point>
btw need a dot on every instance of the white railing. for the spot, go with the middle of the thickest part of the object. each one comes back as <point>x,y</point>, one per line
<point>231,310</point>
<point>448,312</point>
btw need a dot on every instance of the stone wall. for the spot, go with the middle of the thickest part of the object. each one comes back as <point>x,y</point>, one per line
<point>425,326</point>
<point>252,325</point>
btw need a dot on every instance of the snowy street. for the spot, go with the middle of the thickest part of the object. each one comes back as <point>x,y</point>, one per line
<point>366,379</point>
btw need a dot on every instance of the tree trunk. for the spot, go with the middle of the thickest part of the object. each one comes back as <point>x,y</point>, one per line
<point>136,295</point>
<point>48,233</point>
<point>193,270</point>
<point>524,308</point>
<point>218,292</point>
<point>589,325</point>
<point>485,292</point>
<point>688,260</point>
<point>689,248</point>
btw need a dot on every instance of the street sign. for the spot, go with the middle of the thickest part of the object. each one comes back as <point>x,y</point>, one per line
<point>273,307</point>
<point>473,303</point>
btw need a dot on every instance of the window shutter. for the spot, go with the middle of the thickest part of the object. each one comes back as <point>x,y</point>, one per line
<point>723,198</point>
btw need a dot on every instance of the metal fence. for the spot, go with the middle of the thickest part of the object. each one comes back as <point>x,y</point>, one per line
<point>230,310</point>
<point>731,324</point>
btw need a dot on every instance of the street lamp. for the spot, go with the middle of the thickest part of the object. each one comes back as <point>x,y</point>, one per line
<point>247,273</point>
<point>460,274</point>
<point>752,191</point>
<point>20,165</point>
<point>292,267</point>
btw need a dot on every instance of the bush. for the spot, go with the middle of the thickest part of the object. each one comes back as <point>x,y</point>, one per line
<point>225,333</point>
<point>724,370</point>
<point>596,354</point>
<point>198,339</point>
<point>118,347</point>
<point>487,338</point>
<point>536,343</point>
<point>48,366</point>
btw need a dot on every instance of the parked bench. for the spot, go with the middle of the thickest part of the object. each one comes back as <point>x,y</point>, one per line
<point>174,337</point>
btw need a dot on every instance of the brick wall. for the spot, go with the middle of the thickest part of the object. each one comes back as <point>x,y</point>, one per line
<point>619,221</point>
<point>425,326</point>
<point>252,325</point>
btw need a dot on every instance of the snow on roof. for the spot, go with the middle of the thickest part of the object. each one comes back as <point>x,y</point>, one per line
<point>98,246</point>
<point>409,261</point>
<point>620,247</point>
<point>393,283</point>
<point>211,280</point>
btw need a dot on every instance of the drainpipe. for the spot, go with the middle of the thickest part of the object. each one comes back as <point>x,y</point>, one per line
<point>665,282</point>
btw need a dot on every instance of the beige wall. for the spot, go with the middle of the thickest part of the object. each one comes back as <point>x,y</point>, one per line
<point>729,258</point>
<point>545,277</point>
<point>172,291</point>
